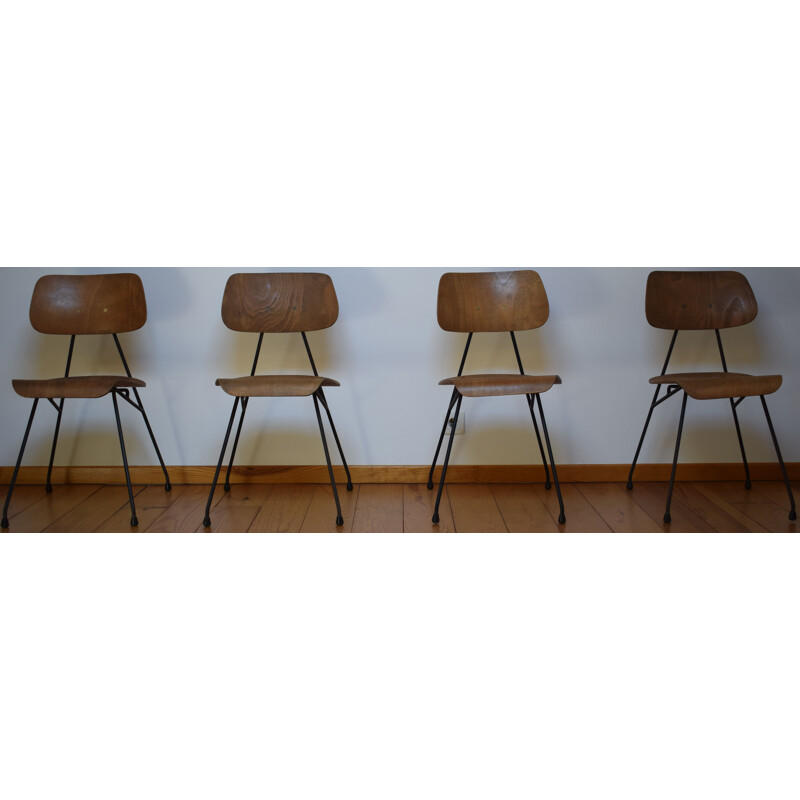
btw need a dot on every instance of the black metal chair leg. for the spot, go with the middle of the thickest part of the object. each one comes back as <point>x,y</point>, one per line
<point>653,404</point>
<point>435,518</point>
<point>339,518</point>
<point>667,517</point>
<point>167,483</point>
<point>4,522</point>
<point>562,516</point>
<point>453,398</point>
<point>48,487</point>
<point>793,511</point>
<point>207,518</point>
<point>547,484</point>
<point>227,485</point>
<point>336,438</point>
<point>747,483</point>
<point>134,520</point>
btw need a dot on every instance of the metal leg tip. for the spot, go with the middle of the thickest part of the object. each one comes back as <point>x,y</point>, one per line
<point>548,485</point>
<point>430,485</point>
<point>562,519</point>
<point>435,519</point>
<point>167,487</point>
<point>349,486</point>
<point>792,516</point>
<point>630,486</point>
<point>227,487</point>
<point>667,519</point>
<point>134,522</point>
<point>4,523</point>
<point>207,522</point>
<point>748,485</point>
<point>339,521</point>
<point>48,488</point>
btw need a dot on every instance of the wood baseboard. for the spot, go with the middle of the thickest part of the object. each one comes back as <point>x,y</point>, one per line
<point>481,473</point>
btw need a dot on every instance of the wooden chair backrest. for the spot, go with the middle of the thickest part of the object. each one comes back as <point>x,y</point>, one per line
<point>279,302</point>
<point>492,301</point>
<point>696,301</point>
<point>84,304</point>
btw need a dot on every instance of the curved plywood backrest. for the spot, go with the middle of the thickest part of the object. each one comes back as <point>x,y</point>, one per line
<point>492,301</point>
<point>694,301</point>
<point>84,304</point>
<point>279,302</point>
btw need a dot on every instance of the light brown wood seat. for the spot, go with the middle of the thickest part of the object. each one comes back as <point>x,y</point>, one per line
<point>496,385</point>
<point>274,385</point>
<point>706,300</point>
<point>721,385</point>
<point>85,386</point>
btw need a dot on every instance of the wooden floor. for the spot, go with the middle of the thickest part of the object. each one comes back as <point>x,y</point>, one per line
<point>696,507</point>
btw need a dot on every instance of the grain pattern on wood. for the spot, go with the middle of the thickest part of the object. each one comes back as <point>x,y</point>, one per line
<point>185,514</point>
<point>652,499</point>
<point>699,300</point>
<point>88,304</point>
<point>230,519</point>
<point>581,516</point>
<point>618,509</point>
<point>23,497</point>
<point>475,509</point>
<point>492,301</point>
<point>720,499</point>
<point>321,514</point>
<point>274,385</point>
<point>522,509</point>
<point>78,386</point>
<point>763,507</point>
<point>379,509</point>
<point>501,385</point>
<point>150,504</point>
<point>418,505</point>
<point>95,510</point>
<point>720,385</point>
<point>284,509</point>
<point>720,517</point>
<point>44,512</point>
<point>280,302</point>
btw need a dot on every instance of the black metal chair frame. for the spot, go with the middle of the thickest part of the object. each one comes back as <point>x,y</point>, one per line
<point>455,401</point>
<point>319,398</point>
<point>673,389</point>
<point>124,393</point>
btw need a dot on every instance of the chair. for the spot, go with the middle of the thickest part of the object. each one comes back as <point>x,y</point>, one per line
<point>76,305</point>
<point>492,302</point>
<point>683,301</point>
<point>278,303</point>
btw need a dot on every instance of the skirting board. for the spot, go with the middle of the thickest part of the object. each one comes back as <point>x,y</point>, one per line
<point>484,473</point>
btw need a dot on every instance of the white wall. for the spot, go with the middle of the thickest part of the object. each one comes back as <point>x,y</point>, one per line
<point>389,354</point>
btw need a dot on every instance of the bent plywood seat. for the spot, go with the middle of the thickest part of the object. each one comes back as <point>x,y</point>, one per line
<point>484,302</point>
<point>76,305</point>
<point>705,301</point>
<point>278,302</point>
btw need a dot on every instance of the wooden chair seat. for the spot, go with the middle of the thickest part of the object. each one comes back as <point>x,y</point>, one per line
<point>499,385</point>
<point>77,386</point>
<point>721,385</point>
<point>274,385</point>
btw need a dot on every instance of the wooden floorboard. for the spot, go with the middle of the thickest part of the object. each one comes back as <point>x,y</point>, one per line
<point>697,507</point>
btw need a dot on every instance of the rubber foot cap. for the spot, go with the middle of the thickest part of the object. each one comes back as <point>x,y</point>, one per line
<point>548,485</point>
<point>430,485</point>
<point>748,486</point>
<point>349,487</point>
<point>792,516</point>
<point>667,519</point>
<point>435,519</point>
<point>168,487</point>
<point>339,521</point>
<point>4,523</point>
<point>227,487</point>
<point>562,519</point>
<point>207,522</point>
<point>630,486</point>
<point>134,522</point>
<point>48,488</point>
